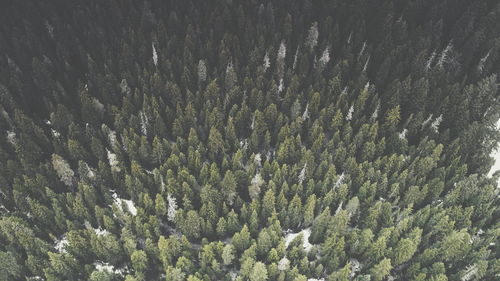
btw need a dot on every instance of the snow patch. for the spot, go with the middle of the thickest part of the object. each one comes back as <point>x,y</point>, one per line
<point>113,162</point>
<point>155,55</point>
<point>257,180</point>
<point>281,51</point>
<point>367,86</point>
<point>233,273</point>
<point>305,238</point>
<point>375,113</point>
<point>144,123</point>
<point>11,137</point>
<point>130,205</point>
<point>162,184</point>
<point>100,232</point>
<point>325,57</point>
<point>402,135</point>
<point>305,115</point>
<point>258,159</point>
<point>480,66</point>
<point>302,175</point>
<point>244,144</point>
<point>430,60</point>
<point>97,105</point>
<point>470,272</point>
<point>267,62</point>
<point>284,264</point>
<point>61,244</point>
<point>90,173</point>
<point>104,266</point>
<point>268,155</point>
<point>312,36</point>
<point>445,55</point>
<point>112,138</point>
<point>339,208</point>
<point>295,57</point>
<point>339,181</point>
<point>172,208</point>
<point>349,114</point>
<point>280,86</point>
<point>2,207</point>
<point>436,123</point>
<point>427,120</point>
<point>496,155</point>
<point>344,91</point>
<point>256,183</point>
<point>55,133</point>
<point>362,49</point>
<point>366,64</point>
<point>125,89</point>
<point>202,71</point>
<point>355,266</point>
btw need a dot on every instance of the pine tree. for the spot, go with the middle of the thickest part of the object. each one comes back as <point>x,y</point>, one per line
<point>63,170</point>
<point>259,272</point>
<point>229,187</point>
<point>381,269</point>
<point>295,211</point>
<point>312,36</point>
<point>215,143</point>
<point>191,225</point>
<point>309,210</point>
<point>139,260</point>
<point>228,254</point>
<point>10,269</point>
<point>268,204</point>
<point>98,275</point>
<point>241,240</point>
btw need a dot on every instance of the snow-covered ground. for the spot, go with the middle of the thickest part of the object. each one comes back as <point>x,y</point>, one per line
<point>130,205</point>
<point>355,266</point>
<point>233,273</point>
<point>100,232</point>
<point>496,154</point>
<point>305,238</point>
<point>61,244</point>
<point>104,266</point>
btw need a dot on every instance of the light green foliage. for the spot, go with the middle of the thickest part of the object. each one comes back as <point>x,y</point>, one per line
<point>9,268</point>
<point>62,169</point>
<point>101,276</point>
<point>259,272</point>
<point>381,269</point>
<point>241,240</point>
<point>228,254</point>
<point>139,260</point>
<point>455,244</point>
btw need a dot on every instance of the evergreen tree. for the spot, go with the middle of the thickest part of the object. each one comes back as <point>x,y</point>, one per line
<point>249,141</point>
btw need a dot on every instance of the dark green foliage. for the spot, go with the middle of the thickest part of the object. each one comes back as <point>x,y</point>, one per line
<point>279,140</point>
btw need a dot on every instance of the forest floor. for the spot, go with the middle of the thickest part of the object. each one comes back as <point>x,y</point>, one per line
<point>496,155</point>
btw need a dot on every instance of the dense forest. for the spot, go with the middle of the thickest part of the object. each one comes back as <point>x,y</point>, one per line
<point>255,140</point>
